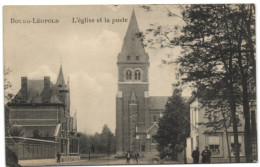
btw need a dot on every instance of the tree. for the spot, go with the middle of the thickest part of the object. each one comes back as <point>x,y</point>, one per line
<point>8,96</point>
<point>7,85</point>
<point>224,47</point>
<point>36,134</point>
<point>11,158</point>
<point>174,125</point>
<point>83,143</point>
<point>244,34</point>
<point>10,130</point>
<point>99,143</point>
<point>217,112</point>
<point>218,44</point>
<point>107,140</point>
<point>15,131</point>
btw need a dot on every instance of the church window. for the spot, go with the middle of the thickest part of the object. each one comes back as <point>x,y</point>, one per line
<point>62,126</point>
<point>128,75</point>
<point>143,147</point>
<point>137,75</point>
<point>153,140</point>
<point>137,57</point>
<point>128,57</point>
<point>154,118</point>
<point>62,145</point>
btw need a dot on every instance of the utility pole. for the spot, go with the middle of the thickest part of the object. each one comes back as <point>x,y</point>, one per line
<point>89,152</point>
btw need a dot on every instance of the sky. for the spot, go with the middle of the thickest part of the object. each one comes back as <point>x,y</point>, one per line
<point>87,52</point>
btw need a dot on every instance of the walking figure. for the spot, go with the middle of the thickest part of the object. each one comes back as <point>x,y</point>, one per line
<point>58,157</point>
<point>128,156</point>
<point>162,156</point>
<point>136,157</point>
<point>206,154</point>
<point>196,155</point>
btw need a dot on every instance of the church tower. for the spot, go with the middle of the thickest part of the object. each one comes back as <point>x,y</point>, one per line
<point>133,87</point>
<point>63,91</point>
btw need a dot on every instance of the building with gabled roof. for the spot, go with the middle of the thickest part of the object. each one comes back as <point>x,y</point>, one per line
<point>42,110</point>
<point>137,113</point>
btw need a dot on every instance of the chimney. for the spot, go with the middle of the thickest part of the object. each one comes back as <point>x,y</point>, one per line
<point>24,89</point>
<point>46,90</point>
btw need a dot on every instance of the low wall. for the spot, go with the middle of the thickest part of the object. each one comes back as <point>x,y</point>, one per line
<point>29,148</point>
<point>69,158</point>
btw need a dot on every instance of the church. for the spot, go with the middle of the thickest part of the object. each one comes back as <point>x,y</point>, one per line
<point>137,113</point>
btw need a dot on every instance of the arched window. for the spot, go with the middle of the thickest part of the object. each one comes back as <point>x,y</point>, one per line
<point>154,118</point>
<point>143,147</point>
<point>153,140</point>
<point>128,75</point>
<point>137,75</point>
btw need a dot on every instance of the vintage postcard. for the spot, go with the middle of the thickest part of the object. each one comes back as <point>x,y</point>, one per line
<point>130,84</point>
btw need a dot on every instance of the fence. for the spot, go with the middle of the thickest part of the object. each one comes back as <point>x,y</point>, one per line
<point>28,148</point>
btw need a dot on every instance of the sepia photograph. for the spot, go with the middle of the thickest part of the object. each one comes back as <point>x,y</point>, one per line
<point>92,85</point>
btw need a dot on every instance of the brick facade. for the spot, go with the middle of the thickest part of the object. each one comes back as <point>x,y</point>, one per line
<point>137,113</point>
<point>43,106</point>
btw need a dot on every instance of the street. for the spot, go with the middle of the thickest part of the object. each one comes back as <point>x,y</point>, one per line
<point>110,161</point>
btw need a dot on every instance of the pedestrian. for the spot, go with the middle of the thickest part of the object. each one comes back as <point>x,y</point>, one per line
<point>136,157</point>
<point>161,157</point>
<point>196,155</point>
<point>206,155</point>
<point>128,156</point>
<point>58,157</point>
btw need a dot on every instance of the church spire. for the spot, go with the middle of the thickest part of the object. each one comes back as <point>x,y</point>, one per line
<point>133,49</point>
<point>60,79</point>
<point>133,26</point>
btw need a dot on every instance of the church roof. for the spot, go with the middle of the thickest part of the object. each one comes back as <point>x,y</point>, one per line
<point>158,102</point>
<point>60,79</point>
<point>34,91</point>
<point>132,45</point>
<point>54,98</point>
<point>133,26</point>
<point>153,127</point>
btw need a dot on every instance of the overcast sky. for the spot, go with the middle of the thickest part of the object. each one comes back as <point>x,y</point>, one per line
<point>89,54</point>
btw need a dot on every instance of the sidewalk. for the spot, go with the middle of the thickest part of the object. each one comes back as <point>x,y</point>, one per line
<point>43,162</point>
<point>37,162</point>
<point>99,161</point>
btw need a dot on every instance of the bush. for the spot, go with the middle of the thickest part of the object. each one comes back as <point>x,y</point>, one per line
<point>11,158</point>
